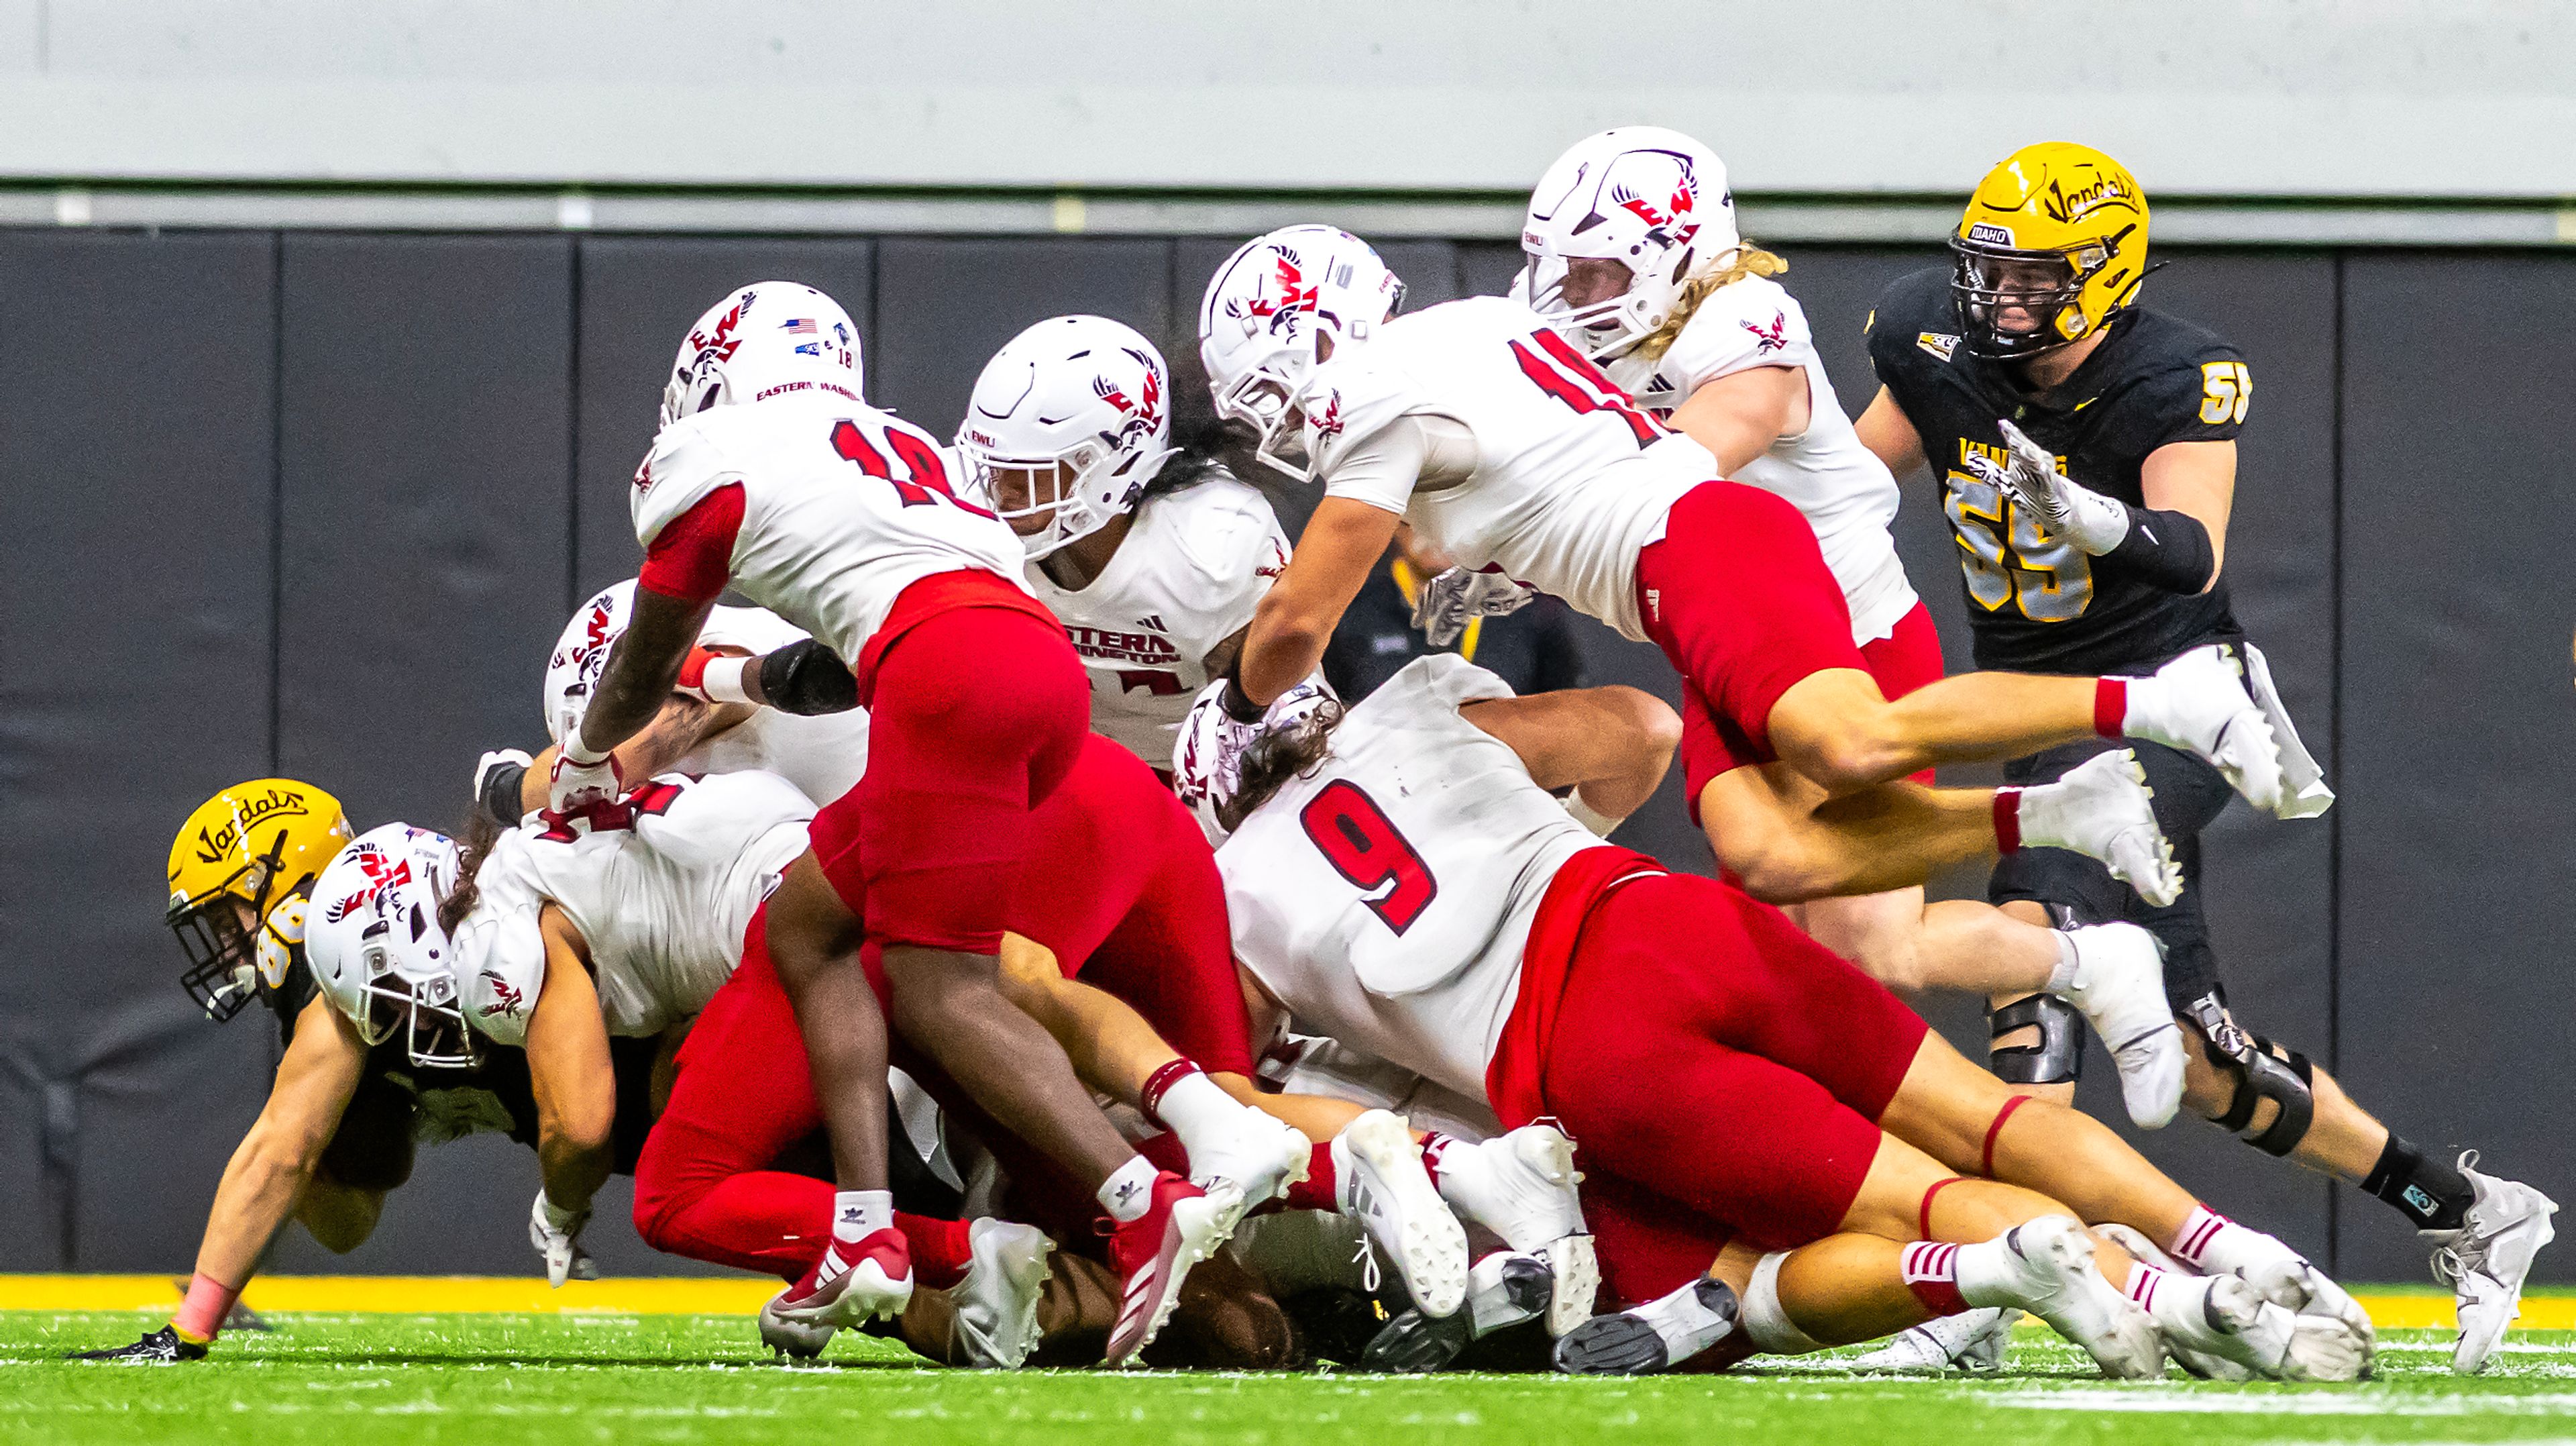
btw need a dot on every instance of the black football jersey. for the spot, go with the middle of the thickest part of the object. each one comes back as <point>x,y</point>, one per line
<point>2038,604</point>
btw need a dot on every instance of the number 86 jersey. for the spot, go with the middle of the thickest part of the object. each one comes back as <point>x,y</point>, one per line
<point>1384,897</point>
<point>842,508</point>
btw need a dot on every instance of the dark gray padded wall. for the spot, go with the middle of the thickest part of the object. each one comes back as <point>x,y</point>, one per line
<point>134,628</point>
<point>638,296</point>
<point>945,306</point>
<point>426,460</point>
<point>2457,846</point>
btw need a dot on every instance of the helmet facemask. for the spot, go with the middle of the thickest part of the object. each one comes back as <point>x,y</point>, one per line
<point>1063,486</point>
<point>396,991</point>
<point>1992,280</point>
<point>223,973</point>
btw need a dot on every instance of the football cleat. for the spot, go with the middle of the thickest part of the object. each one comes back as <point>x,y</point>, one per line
<point>2198,703</point>
<point>791,1341</point>
<point>2119,986</point>
<point>2486,1260</point>
<point>851,1285</point>
<point>1653,1337</point>
<point>1153,1254</point>
<point>1382,1184</point>
<point>164,1347</point>
<point>1973,1341</point>
<point>997,1302</point>
<point>1521,1186</point>
<point>2102,808</point>
<point>1250,1164</point>
<point>2049,1272</point>
<point>1503,1289</point>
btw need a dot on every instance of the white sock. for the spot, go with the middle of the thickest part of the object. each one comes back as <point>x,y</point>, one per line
<point>2215,1245</point>
<point>2178,1304</point>
<point>1130,1191</point>
<point>2069,963</point>
<point>858,1214</point>
<point>1986,1274</point>
<point>1199,1111</point>
<point>1766,1319</point>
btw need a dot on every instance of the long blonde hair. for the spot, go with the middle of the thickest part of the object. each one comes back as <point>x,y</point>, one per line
<point>1727,268</point>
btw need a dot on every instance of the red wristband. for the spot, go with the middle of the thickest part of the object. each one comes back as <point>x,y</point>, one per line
<point>2111,707</point>
<point>2007,820</point>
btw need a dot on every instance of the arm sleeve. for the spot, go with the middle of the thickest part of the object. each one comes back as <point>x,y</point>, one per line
<point>2169,550</point>
<point>691,558</point>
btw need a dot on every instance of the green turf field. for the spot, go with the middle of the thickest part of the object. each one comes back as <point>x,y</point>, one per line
<point>490,1380</point>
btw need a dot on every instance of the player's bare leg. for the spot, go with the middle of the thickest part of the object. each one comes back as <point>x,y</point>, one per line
<point>1837,728</point>
<point>865,1270</point>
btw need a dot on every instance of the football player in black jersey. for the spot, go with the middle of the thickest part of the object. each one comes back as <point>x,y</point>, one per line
<point>2087,459</point>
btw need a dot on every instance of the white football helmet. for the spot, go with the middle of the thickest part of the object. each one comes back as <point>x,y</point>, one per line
<point>1080,408</point>
<point>1208,750</point>
<point>770,339</point>
<point>372,938</point>
<point>1651,198</point>
<point>1263,313</point>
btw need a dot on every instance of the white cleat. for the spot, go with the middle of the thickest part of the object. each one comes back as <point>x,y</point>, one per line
<point>2198,703</point>
<point>2281,1276</point>
<point>1382,1185</point>
<point>997,1302</point>
<point>2120,987</point>
<point>1974,1342</point>
<point>2101,809</point>
<point>1521,1186</point>
<point>794,1341</point>
<point>2050,1274</point>
<point>2217,1327</point>
<point>1251,1164</point>
<point>2486,1260</point>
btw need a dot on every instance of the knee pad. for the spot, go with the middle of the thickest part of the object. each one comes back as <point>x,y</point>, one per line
<point>2288,1082</point>
<point>2058,1058</point>
<point>1766,1320</point>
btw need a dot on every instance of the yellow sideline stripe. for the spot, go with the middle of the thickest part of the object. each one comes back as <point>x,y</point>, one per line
<point>403,1294</point>
<point>502,1294</point>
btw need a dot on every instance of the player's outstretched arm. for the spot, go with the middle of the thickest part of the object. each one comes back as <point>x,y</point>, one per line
<point>1335,557</point>
<point>1885,430</point>
<point>1737,417</point>
<point>266,1177</point>
<point>569,1072</point>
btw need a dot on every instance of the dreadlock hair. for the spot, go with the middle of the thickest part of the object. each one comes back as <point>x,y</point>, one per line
<point>1276,757</point>
<point>1725,269</point>
<point>473,846</point>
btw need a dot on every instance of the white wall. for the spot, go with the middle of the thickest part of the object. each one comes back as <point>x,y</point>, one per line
<point>2365,98</point>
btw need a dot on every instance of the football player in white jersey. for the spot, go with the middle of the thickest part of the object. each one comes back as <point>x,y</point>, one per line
<point>1481,425</point>
<point>771,475</point>
<point>1636,224</point>
<point>1154,558</point>
<point>1399,878</point>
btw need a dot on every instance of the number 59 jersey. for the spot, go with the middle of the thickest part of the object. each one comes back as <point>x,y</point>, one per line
<point>1384,897</point>
<point>1571,480</point>
<point>2035,602</point>
<point>844,507</point>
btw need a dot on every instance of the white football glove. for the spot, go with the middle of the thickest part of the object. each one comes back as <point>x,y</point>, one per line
<point>578,786</point>
<point>1445,603</point>
<point>2063,508</point>
<point>556,1234</point>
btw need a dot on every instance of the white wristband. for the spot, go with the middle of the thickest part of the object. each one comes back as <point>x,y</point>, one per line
<point>578,754</point>
<point>721,679</point>
<point>1591,818</point>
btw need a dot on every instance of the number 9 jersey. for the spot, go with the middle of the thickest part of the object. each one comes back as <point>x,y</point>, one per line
<point>1384,896</point>
<point>841,508</point>
<point>2036,603</point>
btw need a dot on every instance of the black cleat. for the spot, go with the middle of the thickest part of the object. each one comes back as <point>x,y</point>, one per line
<point>161,1348</point>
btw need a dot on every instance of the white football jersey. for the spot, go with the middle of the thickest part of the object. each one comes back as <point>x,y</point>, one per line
<point>1571,482</point>
<point>1186,578</point>
<point>822,755</point>
<point>1847,494</point>
<point>1384,897</point>
<point>844,507</point>
<point>662,904</point>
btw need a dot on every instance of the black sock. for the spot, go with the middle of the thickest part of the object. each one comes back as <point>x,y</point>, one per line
<point>2431,1194</point>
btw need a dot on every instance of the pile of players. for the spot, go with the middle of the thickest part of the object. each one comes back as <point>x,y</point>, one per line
<point>1002,935</point>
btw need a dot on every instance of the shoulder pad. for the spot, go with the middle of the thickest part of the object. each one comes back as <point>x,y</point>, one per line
<point>1349,402</point>
<point>502,956</point>
<point>1434,683</point>
<point>689,459</point>
<point>1747,323</point>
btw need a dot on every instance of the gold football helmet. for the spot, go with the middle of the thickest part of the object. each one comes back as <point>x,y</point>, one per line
<point>2053,245</point>
<point>240,872</point>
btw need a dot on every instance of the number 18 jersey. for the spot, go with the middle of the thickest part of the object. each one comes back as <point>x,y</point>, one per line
<point>1385,896</point>
<point>1571,480</point>
<point>844,507</point>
